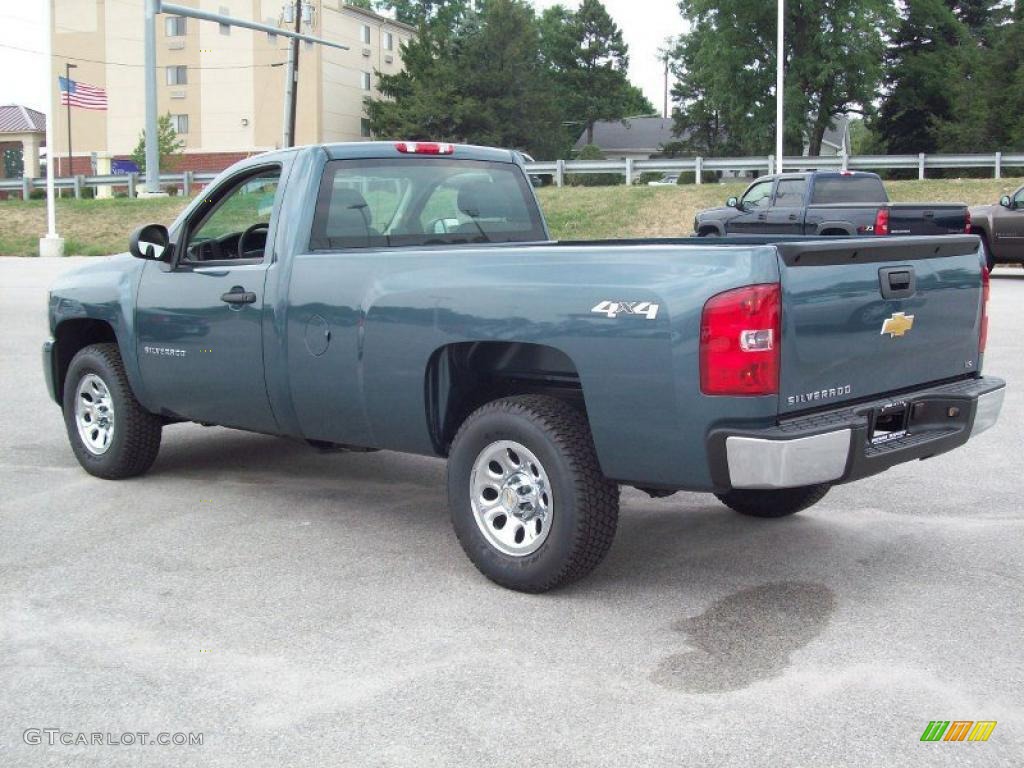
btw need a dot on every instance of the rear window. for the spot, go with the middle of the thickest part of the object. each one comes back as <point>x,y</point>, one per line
<point>848,189</point>
<point>385,202</point>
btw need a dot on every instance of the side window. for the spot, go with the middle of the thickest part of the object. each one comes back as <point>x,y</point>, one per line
<point>235,225</point>
<point>758,196</point>
<point>1018,199</point>
<point>790,193</point>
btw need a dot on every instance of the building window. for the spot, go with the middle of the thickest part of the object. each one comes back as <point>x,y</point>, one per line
<point>175,26</point>
<point>225,29</point>
<point>364,34</point>
<point>180,123</point>
<point>177,75</point>
<point>364,127</point>
<point>389,41</point>
<point>366,80</point>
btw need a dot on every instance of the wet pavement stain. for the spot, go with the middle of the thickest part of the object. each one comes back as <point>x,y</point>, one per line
<point>746,637</point>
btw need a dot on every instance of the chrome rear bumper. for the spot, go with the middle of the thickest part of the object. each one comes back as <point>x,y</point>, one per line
<point>836,446</point>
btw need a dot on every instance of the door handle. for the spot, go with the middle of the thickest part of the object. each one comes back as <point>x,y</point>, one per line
<point>762,216</point>
<point>238,296</point>
<point>792,217</point>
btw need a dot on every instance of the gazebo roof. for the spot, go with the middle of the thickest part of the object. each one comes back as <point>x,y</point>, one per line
<point>15,118</point>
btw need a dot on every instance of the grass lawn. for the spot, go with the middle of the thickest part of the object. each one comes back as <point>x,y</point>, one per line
<point>96,227</point>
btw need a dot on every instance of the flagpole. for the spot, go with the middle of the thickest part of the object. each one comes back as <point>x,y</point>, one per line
<point>67,82</point>
<point>779,76</point>
<point>51,245</point>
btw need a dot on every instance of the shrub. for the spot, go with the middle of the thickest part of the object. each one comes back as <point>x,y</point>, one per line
<point>690,177</point>
<point>593,152</point>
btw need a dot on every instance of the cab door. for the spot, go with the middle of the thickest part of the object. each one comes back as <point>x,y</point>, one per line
<point>753,208</point>
<point>199,319</point>
<point>786,214</point>
<point>1008,229</point>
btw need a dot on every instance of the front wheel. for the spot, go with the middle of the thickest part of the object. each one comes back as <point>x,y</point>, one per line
<point>774,502</point>
<point>528,501</point>
<point>111,434</point>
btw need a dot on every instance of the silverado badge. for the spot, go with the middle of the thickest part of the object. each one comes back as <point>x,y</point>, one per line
<point>897,325</point>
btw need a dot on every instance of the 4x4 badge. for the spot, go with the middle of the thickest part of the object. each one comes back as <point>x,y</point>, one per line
<point>897,325</point>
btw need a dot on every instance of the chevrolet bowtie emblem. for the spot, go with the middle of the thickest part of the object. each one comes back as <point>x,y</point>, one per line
<point>897,325</point>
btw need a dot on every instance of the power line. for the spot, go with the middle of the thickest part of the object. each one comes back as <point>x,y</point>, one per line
<point>128,64</point>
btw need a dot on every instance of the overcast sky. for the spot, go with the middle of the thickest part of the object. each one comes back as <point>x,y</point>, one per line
<point>24,75</point>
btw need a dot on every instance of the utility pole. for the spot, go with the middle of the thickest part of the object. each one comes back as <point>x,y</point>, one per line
<point>292,84</point>
<point>780,57</point>
<point>665,110</point>
<point>152,137</point>
<point>67,84</point>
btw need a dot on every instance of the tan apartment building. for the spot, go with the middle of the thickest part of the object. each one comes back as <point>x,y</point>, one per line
<point>223,86</point>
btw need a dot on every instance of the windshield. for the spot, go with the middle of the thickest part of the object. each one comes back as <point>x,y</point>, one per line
<point>423,201</point>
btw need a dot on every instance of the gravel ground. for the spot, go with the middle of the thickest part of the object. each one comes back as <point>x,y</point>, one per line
<point>299,608</point>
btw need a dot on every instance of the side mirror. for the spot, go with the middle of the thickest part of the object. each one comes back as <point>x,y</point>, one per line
<point>151,241</point>
<point>1005,201</point>
<point>733,202</point>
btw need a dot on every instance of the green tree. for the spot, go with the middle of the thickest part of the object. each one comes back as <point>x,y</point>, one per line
<point>589,59</point>
<point>478,78</point>
<point>1006,83</point>
<point>725,69</point>
<point>168,144</point>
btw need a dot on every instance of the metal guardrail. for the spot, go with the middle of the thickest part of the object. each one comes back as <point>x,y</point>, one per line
<point>629,169</point>
<point>128,181</point>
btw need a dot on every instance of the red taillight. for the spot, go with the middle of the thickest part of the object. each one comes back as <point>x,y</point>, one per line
<point>425,148</point>
<point>882,222</point>
<point>739,342</point>
<point>983,334</point>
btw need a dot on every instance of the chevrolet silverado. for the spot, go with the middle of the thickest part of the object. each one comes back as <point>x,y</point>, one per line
<point>408,296</point>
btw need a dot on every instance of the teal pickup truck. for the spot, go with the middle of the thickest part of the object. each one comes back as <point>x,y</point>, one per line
<point>408,296</point>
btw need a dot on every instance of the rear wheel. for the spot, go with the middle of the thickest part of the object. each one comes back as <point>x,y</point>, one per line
<point>773,502</point>
<point>111,434</point>
<point>528,501</point>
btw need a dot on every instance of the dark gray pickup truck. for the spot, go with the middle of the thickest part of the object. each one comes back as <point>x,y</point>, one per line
<point>407,296</point>
<point>827,203</point>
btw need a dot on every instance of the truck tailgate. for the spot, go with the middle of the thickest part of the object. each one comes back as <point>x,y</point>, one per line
<point>927,219</point>
<point>870,316</point>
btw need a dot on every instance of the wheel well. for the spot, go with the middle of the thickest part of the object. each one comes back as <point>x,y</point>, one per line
<point>707,231</point>
<point>74,335</point>
<point>462,377</point>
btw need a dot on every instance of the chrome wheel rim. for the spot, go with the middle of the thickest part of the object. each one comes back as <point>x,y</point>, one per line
<point>94,414</point>
<point>511,498</point>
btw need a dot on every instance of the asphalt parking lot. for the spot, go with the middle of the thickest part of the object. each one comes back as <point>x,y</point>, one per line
<point>299,608</point>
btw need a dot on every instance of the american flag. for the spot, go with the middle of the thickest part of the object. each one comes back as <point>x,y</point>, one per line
<point>81,95</point>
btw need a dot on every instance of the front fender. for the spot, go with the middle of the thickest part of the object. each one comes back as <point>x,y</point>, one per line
<point>104,291</point>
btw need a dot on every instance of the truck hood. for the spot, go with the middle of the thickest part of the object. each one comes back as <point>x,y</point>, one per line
<point>718,214</point>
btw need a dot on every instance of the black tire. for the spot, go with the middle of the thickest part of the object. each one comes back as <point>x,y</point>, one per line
<point>775,502</point>
<point>585,507</point>
<point>135,441</point>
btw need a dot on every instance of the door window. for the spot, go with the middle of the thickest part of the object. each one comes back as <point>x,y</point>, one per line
<point>790,193</point>
<point>234,226</point>
<point>1018,199</point>
<point>758,196</point>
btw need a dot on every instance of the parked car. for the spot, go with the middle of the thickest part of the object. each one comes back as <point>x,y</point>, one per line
<point>1001,228</point>
<point>668,180</point>
<point>408,296</point>
<point>827,203</point>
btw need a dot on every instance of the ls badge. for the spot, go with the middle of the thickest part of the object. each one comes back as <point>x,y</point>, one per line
<point>897,325</point>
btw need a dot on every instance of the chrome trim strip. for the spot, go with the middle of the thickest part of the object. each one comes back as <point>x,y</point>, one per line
<point>757,463</point>
<point>986,414</point>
